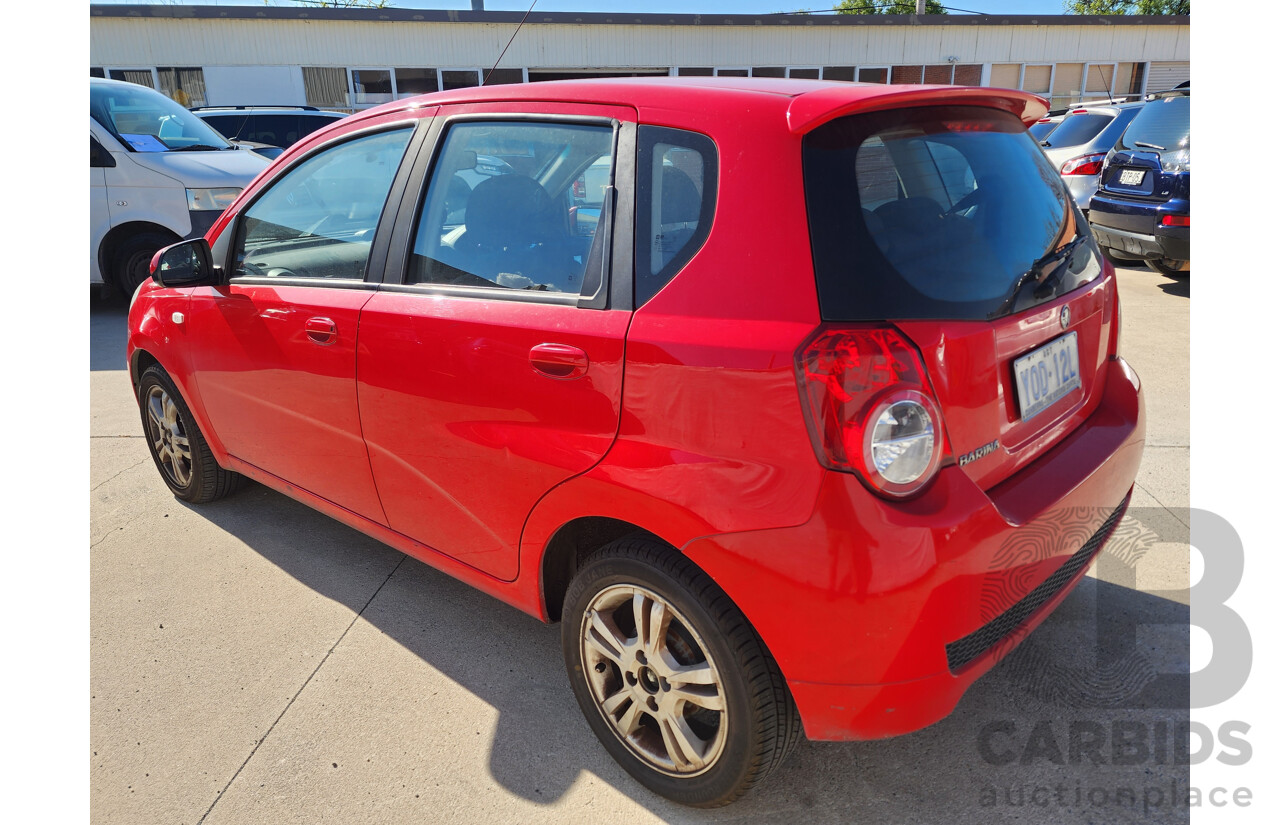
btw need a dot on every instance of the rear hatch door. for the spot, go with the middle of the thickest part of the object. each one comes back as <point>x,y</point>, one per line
<point>950,224</point>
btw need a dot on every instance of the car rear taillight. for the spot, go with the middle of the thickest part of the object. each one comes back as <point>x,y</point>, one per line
<point>870,409</point>
<point>1175,220</point>
<point>1084,165</point>
<point>579,188</point>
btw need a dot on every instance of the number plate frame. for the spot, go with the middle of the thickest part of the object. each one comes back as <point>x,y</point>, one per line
<point>1049,362</point>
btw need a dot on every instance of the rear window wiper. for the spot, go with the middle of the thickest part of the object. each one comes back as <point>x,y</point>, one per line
<point>1148,145</point>
<point>1058,259</point>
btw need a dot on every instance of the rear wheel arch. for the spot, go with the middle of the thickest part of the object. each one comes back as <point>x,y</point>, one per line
<point>570,546</point>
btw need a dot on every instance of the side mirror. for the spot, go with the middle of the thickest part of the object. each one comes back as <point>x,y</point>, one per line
<point>188,263</point>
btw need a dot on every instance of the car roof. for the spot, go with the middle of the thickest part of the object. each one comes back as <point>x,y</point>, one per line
<point>805,104</point>
<point>265,110</point>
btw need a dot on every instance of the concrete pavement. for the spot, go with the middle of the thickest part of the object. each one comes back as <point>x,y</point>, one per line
<point>253,661</point>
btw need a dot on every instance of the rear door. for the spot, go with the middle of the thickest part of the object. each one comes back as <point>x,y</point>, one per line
<point>274,350</point>
<point>490,364</point>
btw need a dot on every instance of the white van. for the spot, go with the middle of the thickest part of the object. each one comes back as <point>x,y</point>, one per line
<point>157,174</point>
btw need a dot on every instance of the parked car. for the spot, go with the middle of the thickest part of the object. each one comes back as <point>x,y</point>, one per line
<point>157,174</point>
<point>1142,210</point>
<point>1079,145</point>
<point>280,126</point>
<point>688,435</point>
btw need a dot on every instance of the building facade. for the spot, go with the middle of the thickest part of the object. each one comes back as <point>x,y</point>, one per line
<point>349,59</point>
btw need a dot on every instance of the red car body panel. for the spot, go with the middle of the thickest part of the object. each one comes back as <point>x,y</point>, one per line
<point>682,417</point>
<point>464,436</point>
<point>279,390</point>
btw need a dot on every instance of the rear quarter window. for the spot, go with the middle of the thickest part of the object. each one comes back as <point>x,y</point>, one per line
<point>676,183</point>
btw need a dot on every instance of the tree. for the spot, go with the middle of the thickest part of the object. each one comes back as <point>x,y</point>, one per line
<point>886,7</point>
<point>1127,6</point>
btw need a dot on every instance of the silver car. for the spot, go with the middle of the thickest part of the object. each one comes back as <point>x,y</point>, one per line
<point>1078,146</point>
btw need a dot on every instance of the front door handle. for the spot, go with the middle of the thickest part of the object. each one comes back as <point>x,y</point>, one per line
<point>322,331</point>
<point>559,361</point>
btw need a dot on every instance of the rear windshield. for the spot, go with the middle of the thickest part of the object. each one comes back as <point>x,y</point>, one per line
<point>1077,130</point>
<point>1164,125</point>
<point>933,212</point>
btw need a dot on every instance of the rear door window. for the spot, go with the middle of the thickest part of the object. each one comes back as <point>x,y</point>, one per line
<point>514,206</point>
<point>931,213</point>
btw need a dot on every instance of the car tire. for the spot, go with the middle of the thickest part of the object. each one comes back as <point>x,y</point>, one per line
<point>1171,268</point>
<point>177,446</point>
<point>703,740</point>
<point>131,263</point>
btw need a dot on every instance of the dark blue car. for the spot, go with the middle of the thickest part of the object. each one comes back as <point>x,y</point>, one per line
<point>1142,210</point>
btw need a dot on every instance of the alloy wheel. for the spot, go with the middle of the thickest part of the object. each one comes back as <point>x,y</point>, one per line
<point>653,680</point>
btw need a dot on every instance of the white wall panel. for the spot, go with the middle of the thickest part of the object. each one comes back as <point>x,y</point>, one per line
<point>239,42</point>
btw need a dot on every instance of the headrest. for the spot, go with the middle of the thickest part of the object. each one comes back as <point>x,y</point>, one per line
<point>681,202</point>
<point>509,211</point>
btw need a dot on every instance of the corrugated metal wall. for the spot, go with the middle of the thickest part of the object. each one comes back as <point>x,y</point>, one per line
<point>201,42</point>
<point>1167,75</point>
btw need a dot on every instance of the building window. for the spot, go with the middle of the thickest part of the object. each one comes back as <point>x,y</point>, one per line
<point>1037,79</point>
<point>459,78</point>
<point>499,77</point>
<point>873,74</point>
<point>184,85</point>
<point>371,86</point>
<point>1099,80</point>
<point>769,71</point>
<point>837,73</point>
<point>411,82</point>
<point>733,72</point>
<point>326,87</point>
<point>96,71</point>
<point>807,72</point>
<point>143,77</point>
<point>906,74</point>
<point>696,71</point>
<point>968,74</point>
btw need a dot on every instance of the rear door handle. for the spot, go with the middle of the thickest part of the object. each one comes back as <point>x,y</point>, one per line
<point>322,330</point>
<point>559,361</point>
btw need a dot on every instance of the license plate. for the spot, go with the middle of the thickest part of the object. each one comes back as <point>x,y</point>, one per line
<point>1046,375</point>
<point>1132,177</point>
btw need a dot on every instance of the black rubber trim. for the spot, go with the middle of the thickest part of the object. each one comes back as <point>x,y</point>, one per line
<point>962,652</point>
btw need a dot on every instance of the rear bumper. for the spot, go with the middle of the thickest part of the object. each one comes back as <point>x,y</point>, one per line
<point>881,616</point>
<point>1133,227</point>
<point>1174,242</point>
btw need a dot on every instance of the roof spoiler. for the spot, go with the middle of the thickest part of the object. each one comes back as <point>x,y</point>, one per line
<point>812,109</point>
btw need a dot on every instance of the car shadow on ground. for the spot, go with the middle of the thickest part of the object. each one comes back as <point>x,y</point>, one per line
<point>1180,286</point>
<point>1016,730</point>
<point>108,330</point>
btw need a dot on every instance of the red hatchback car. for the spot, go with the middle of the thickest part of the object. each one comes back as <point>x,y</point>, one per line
<point>806,417</point>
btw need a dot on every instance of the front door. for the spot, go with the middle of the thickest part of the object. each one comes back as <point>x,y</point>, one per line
<point>493,372</point>
<point>274,350</point>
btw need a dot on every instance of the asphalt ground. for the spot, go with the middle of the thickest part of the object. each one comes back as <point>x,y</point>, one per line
<point>253,661</point>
